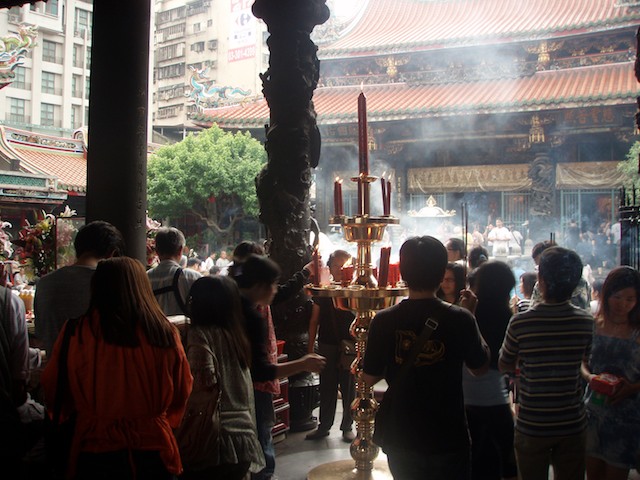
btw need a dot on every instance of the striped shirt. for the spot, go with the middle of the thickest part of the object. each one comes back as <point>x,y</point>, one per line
<point>549,342</point>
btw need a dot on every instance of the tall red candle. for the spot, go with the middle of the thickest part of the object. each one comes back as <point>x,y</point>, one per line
<point>383,277</point>
<point>383,184</point>
<point>340,204</point>
<point>388,202</point>
<point>336,198</point>
<point>363,146</point>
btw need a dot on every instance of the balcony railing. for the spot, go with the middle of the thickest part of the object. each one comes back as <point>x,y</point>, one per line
<point>16,118</point>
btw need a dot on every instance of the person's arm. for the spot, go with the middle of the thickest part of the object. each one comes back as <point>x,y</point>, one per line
<point>313,327</point>
<point>311,362</point>
<point>291,288</point>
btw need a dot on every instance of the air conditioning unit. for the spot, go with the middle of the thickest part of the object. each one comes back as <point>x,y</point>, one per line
<point>13,18</point>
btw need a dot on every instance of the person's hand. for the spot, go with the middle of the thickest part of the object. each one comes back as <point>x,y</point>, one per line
<point>624,391</point>
<point>311,268</point>
<point>468,300</point>
<point>313,362</point>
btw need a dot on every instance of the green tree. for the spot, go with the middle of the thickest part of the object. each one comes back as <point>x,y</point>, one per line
<point>630,166</point>
<point>210,175</point>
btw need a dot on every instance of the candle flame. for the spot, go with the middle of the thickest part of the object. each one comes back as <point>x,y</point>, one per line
<point>362,86</point>
<point>337,179</point>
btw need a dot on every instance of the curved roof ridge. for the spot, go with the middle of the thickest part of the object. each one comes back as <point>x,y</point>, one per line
<point>413,25</point>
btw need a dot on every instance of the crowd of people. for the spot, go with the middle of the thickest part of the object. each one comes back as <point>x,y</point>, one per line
<point>522,370</point>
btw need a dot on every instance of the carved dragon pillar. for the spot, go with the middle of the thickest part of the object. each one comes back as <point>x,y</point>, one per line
<point>293,148</point>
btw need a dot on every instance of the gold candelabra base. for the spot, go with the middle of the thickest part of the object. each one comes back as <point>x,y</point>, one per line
<point>364,298</point>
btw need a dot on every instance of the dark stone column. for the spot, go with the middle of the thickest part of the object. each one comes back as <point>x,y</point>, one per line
<point>542,219</point>
<point>293,148</point>
<point>117,159</point>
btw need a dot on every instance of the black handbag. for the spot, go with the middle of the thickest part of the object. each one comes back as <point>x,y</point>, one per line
<point>59,435</point>
<point>384,425</point>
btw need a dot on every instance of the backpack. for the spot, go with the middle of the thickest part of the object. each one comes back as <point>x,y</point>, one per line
<point>173,288</point>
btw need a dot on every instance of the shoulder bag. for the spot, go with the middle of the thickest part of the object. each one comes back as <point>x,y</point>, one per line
<point>198,435</point>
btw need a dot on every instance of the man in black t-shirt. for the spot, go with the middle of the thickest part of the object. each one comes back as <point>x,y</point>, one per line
<point>432,439</point>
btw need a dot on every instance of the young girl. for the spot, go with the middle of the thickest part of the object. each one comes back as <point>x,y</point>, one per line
<point>612,434</point>
<point>217,348</point>
<point>453,283</point>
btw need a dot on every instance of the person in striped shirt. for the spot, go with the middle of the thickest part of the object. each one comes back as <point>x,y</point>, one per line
<point>548,344</point>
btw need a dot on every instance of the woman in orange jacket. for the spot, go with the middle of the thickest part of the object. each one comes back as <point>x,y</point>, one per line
<point>129,380</point>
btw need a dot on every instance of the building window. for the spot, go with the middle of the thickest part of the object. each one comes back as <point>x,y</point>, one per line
<point>49,50</point>
<point>51,7</point>
<point>171,71</point>
<point>88,57</point>
<point>209,23</point>
<point>76,120</point>
<point>86,116</point>
<point>21,77</point>
<point>16,110</point>
<point>48,82</point>
<point>77,56</point>
<point>47,114</point>
<point>86,88</point>
<point>82,23</point>
<point>196,27</point>
<point>197,47</point>
<point>76,90</point>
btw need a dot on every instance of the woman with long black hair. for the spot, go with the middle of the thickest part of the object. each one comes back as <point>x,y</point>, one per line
<point>128,380</point>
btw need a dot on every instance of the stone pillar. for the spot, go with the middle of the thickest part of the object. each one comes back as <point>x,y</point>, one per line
<point>117,158</point>
<point>542,219</point>
<point>293,148</point>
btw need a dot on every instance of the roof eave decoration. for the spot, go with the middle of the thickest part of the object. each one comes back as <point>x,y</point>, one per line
<point>13,50</point>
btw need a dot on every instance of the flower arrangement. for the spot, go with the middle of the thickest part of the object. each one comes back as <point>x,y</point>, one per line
<point>35,246</point>
<point>66,229</point>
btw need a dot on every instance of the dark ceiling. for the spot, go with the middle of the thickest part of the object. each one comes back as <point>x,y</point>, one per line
<point>15,3</point>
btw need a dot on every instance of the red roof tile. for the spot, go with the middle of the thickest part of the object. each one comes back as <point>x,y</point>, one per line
<point>405,25</point>
<point>69,167</point>
<point>602,85</point>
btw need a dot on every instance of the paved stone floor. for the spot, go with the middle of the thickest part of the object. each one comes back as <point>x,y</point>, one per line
<point>295,456</point>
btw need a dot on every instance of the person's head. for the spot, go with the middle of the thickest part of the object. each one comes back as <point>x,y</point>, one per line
<point>121,293</point>
<point>620,293</point>
<point>214,270</point>
<point>596,288</point>
<point>477,256</point>
<point>215,301</point>
<point>223,254</point>
<point>494,282</point>
<point>538,248</point>
<point>499,223</point>
<point>527,282</point>
<point>194,264</point>
<point>336,261</point>
<point>242,252</point>
<point>257,276</point>
<point>422,263</point>
<point>453,281</point>
<point>246,248</point>
<point>455,249</point>
<point>100,240</point>
<point>559,272</point>
<point>169,243</point>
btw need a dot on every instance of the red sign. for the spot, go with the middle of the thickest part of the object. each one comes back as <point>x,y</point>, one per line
<point>242,53</point>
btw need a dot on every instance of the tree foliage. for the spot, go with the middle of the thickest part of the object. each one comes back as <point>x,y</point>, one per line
<point>210,175</point>
<point>630,166</point>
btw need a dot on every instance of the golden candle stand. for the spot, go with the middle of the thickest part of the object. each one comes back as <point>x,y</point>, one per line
<point>364,298</point>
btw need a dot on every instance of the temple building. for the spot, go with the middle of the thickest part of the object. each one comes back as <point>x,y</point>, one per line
<point>521,110</point>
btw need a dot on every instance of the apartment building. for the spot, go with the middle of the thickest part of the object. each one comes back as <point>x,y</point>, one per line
<point>205,53</point>
<point>50,92</point>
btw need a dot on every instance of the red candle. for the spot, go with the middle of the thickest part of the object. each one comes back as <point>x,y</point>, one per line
<point>388,202</point>
<point>394,274</point>
<point>363,146</point>
<point>383,278</point>
<point>316,265</point>
<point>383,184</point>
<point>337,197</point>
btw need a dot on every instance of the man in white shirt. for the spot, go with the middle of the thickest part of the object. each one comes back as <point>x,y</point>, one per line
<point>500,236</point>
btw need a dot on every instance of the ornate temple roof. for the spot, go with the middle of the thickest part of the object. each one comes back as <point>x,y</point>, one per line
<point>396,26</point>
<point>60,158</point>
<point>545,90</point>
